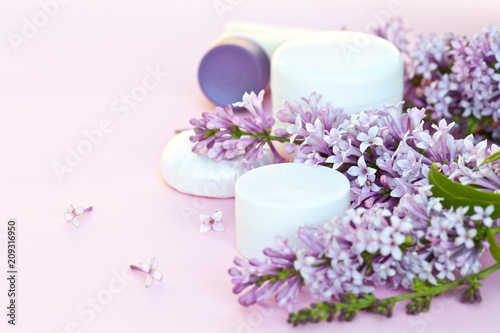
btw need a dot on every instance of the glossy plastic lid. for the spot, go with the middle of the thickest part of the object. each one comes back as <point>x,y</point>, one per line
<point>234,66</point>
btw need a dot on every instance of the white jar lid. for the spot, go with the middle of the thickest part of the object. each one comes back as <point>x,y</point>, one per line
<point>352,70</point>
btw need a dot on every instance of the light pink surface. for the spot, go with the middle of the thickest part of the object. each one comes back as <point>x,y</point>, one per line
<point>64,81</point>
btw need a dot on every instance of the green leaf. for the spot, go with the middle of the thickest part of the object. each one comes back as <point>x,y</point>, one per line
<point>458,195</point>
<point>494,248</point>
<point>491,158</point>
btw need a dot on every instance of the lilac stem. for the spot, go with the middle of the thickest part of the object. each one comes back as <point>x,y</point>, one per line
<point>136,268</point>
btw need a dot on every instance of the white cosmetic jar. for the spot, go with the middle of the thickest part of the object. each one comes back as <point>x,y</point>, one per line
<point>352,70</point>
<point>275,200</point>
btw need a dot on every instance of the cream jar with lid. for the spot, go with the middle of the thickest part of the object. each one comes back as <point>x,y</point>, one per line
<point>352,70</point>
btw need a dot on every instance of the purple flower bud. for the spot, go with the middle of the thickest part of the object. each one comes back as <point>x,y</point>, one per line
<point>281,132</point>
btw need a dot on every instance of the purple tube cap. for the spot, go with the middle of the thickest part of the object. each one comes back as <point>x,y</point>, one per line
<point>233,67</point>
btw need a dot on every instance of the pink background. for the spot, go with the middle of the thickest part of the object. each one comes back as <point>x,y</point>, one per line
<point>64,81</point>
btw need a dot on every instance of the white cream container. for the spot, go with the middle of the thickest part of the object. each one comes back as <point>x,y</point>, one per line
<point>275,200</point>
<point>352,70</point>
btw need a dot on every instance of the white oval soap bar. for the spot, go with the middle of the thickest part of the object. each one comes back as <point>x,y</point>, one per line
<point>276,200</point>
<point>196,174</point>
<point>352,70</point>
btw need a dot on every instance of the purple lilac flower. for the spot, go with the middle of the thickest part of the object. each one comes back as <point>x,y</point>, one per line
<point>447,239</point>
<point>405,233</point>
<point>362,172</point>
<point>275,276</point>
<point>396,231</point>
<point>394,31</point>
<point>212,222</point>
<point>384,154</point>
<point>313,124</point>
<point>479,59</point>
<point>221,135</point>
<point>430,60</point>
<point>369,247</point>
<point>457,78</point>
<point>483,214</point>
<point>150,268</point>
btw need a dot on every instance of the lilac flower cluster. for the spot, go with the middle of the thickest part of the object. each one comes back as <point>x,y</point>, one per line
<point>448,240</point>
<point>383,248</point>
<point>429,62</point>
<point>384,154</point>
<point>367,248</point>
<point>221,135</point>
<point>265,278</point>
<point>394,31</point>
<point>458,78</point>
<point>396,231</point>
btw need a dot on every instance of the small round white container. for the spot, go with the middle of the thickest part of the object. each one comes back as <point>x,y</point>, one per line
<point>276,200</point>
<point>352,70</point>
